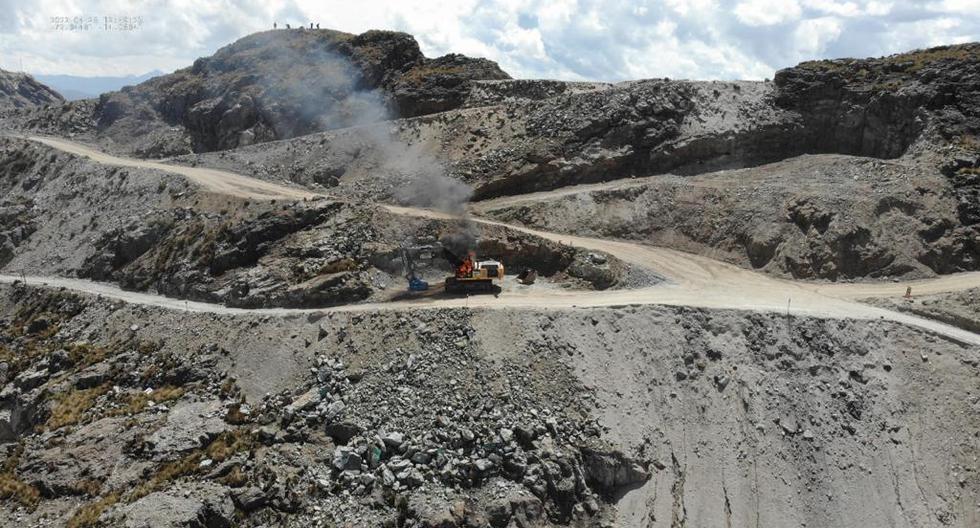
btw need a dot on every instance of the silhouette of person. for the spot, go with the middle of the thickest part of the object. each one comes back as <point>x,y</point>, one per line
<point>311,25</point>
<point>318,25</point>
<point>287,26</point>
<point>275,25</point>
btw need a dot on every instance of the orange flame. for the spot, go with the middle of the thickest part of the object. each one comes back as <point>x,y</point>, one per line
<point>466,268</point>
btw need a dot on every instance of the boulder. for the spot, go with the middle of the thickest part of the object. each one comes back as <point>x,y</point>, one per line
<point>346,459</point>
<point>30,379</point>
<point>92,376</point>
<point>612,470</point>
<point>250,499</point>
<point>342,432</point>
<point>16,418</point>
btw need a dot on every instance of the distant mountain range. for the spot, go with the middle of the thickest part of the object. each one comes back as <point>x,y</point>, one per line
<point>75,87</point>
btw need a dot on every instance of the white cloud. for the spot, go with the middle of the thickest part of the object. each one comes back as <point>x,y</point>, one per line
<point>878,9</point>
<point>767,12</point>
<point>685,7</point>
<point>833,7</point>
<point>967,7</point>
<point>568,39</point>
<point>812,36</point>
<point>849,8</point>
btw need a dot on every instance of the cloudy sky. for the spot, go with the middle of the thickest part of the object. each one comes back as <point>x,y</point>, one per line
<point>565,39</point>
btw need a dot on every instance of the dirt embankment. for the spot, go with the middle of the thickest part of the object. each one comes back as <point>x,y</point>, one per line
<point>960,309</point>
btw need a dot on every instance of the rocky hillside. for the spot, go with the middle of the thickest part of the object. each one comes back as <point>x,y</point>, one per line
<point>521,136</point>
<point>503,137</point>
<point>469,418</point>
<point>916,214</point>
<point>810,217</point>
<point>247,355</point>
<point>283,84</point>
<point>148,230</point>
<point>878,107</point>
<point>20,90</point>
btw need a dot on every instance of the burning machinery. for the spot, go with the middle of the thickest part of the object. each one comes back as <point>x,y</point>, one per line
<point>470,275</point>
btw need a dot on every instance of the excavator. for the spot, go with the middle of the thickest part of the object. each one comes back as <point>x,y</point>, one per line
<point>472,276</point>
<point>469,274</point>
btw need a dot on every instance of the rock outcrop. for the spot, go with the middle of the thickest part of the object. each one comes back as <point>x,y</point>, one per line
<point>286,83</point>
<point>879,107</point>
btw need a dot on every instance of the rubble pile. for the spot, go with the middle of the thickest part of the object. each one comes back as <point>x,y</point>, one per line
<point>391,439</point>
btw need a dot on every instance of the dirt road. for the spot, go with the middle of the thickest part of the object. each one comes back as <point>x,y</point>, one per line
<point>799,303</point>
<point>218,181</point>
<point>694,280</point>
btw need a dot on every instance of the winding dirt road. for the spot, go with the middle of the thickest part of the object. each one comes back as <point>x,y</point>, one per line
<point>694,280</point>
<point>217,181</point>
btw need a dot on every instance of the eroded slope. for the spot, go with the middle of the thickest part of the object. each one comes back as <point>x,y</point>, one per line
<point>468,418</point>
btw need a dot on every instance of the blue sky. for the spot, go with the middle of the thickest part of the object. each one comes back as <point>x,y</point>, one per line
<point>564,39</point>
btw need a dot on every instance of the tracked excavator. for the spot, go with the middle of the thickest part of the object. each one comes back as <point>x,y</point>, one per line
<point>469,274</point>
<point>472,276</point>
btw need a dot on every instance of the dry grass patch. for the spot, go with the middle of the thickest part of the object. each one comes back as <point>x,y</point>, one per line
<point>83,355</point>
<point>11,487</point>
<point>235,416</point>
<point>235,478</point>
<point>419,74</point>
<point>917,60</point>
<point>219,450</point>
<point>138,402</point>
<point>71,405</point>
<point>89,487</point>
<point>970,142</point>
<point>87,516</point>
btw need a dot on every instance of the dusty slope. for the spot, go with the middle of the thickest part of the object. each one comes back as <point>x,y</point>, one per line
<point>753,418</point>
<point>539,408</point>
